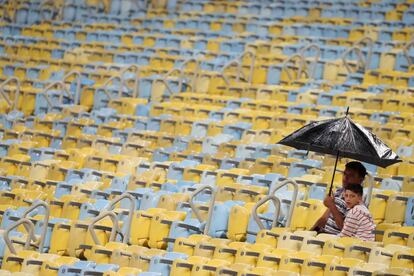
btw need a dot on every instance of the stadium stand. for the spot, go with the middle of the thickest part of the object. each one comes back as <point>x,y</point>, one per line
<point>140,137</point>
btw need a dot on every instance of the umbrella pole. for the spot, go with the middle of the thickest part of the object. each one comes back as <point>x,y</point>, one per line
<point>333,173</point>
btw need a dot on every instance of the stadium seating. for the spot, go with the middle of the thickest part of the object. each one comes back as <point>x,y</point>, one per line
<point>140,137</point>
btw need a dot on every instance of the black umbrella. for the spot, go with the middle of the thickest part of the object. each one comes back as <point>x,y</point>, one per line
<point>342,137</point>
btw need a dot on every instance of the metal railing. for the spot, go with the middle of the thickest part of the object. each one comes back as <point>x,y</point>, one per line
<point>210,208</point>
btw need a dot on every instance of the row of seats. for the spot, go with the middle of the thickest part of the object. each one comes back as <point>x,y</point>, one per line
<point>139,139</point>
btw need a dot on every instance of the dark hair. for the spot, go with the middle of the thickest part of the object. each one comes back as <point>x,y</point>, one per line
<point>356,188</point>
<point>358,167</point>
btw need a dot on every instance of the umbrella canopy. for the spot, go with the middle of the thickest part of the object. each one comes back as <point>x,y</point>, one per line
<point>342,137</point>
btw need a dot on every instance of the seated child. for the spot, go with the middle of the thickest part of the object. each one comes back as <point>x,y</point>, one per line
<point>358,222</point>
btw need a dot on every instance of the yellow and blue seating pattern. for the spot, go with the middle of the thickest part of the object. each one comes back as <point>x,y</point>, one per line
<point>139,137</point>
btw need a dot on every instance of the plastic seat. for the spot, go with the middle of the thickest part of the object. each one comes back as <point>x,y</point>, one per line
<point>403,259</point>
<point>309,211</point>
<point>294,262</point>
<point>208,267</point>
<point>395,211</point>
<point>337,247</point>
<point>316,244</point>
<point>141,260</point>
<point>394,271</point>
<point>318,265</point>
<point>361,250</point>
<point>250,254</point>
<point>221,212</point>
<point>207,248</point>
<point>187,244</point>
<point>124,256</point>
<point>163,264</point>
<point>367,268</point>
<point>343,266</point>
<point>398,236</point>
<point>378,205</point>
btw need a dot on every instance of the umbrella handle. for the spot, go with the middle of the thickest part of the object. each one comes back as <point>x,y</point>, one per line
<point>333,173</point>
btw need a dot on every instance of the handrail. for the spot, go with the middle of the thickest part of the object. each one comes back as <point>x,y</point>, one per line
<point>165,82</point>
<point>252,63</point>
<point>45,220</point>
<point>103,215</point>
<point>370,43</point>
<point>6,16</point>
<point>49,3</point>
<point>138,6</point>
<point>361,59</point>
<point>173,70</point>
<point>294,197</point>
<point>406,54</point>
<point>315,61</point>
<point>276,203</point>
<point>228,65</point>
<point>137,71</point>
<point>78,84</point>
<point>291,59</point>
<point>16,97</point>
<point>130,215</point>
<point>196,71</point>
<point>211,206</point>
<point>30,234</point>
<point>50,86</point>
<point>105,84</point>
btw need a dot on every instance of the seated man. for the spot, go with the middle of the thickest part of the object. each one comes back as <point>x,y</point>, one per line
<point>358,222</point>
<point>333,219</point>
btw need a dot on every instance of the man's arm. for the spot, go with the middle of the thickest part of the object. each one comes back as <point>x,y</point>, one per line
<point>320,223</point>
<point>339,219</point>
<point>338,216</point>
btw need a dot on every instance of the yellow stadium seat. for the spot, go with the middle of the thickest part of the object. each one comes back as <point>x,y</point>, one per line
<point>318,264</point>
<point>187,245</point>
<point>250,254</point>
<point>337,247</point>
<point>142,223</point>
<point>367,268</point>
<point>271,236</point>
<point>316,244</point>
<point>343,266</point>
<point>123,256</point>
<point>294,262</point>
<point>398,236</point>
<point>49,266</point>
<point>124,271</point>
<point>378,205</point>
<point>395,211</point>
<point>142,259</point>
<point>60,238</point>
<point>360,250</point>
<point>306,213</point>
<point>160,227</point>
<point>403,259</point>
<point>271,258</point>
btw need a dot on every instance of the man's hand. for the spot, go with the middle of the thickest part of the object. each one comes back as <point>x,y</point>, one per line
<point>329,202</point>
